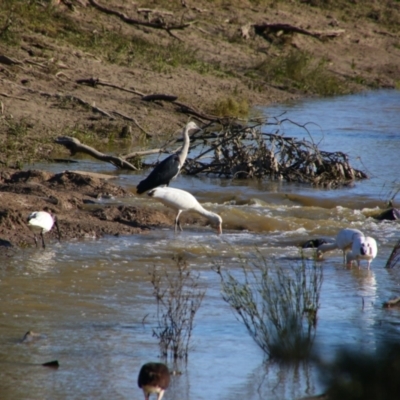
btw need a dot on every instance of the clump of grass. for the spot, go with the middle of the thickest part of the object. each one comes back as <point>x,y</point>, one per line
<point>278,306</point>
<point>18,146</point>
<point>178,296</point>
<point>299,71</point>
<point>229,107</point>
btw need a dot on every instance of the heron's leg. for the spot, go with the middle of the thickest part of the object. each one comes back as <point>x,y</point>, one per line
<point>58,229</point>
<point>41,234</point>
<point>34,236</point>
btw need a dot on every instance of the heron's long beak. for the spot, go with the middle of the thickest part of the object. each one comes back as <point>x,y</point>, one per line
<point>219,229</point>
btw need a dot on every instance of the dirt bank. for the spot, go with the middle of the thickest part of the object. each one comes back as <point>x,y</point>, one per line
<point>78,200</point>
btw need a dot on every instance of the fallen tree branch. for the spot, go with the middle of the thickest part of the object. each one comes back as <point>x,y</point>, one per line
<point>148,135</point>
<point>163,97</point>
<point>266,29</point>
<point>9,61</point>
<point>156,25</point>
<point>191,111</point>
<point>75,146</point>
<point>96,81</point>
<point>186,109</point>
<point>85,103</point>
<point>142,153</point>
<point>13,97</point>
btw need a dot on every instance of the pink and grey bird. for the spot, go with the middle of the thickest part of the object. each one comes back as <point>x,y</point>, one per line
<point>153,378</point>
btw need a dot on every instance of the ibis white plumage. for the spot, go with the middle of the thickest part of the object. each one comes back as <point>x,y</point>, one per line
<point>169,168</point>
<point>182,201</point>
<point>343,241</point>
<point>153,378</point>
<point>363,248</point>
<point>42,222</point>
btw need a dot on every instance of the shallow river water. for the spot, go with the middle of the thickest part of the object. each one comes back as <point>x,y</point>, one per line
<point>92,300</point>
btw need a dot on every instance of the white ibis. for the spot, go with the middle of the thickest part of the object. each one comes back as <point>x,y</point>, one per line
<point>344,240</point>
<point>181,201</point>
<point>42,221</point>
<point>153,378</point>
<point>169,168</point>
<point>363,248</point>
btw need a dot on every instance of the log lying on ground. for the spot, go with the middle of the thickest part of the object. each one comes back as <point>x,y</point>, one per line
<point>266,29</point>
<point>75,146</point>
<point>159,23</point>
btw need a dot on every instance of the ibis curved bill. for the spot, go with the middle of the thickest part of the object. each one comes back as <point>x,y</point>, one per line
<point>154,378</point>
<point>181,201</point>
<point>42,222</point>
<point>169,168</point>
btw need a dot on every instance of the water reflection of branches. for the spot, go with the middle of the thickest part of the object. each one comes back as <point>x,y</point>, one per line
<point>277,305</point>
<point>239,151</point>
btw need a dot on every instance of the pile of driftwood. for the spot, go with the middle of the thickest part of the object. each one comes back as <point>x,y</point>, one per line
<point>246,152</point>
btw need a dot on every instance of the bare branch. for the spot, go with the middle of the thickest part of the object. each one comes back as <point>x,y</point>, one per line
<point>142,153</point>
<point>265,29</point>
<point>96,81</point>
<point>75,146</point>
<point>156,25</point>
<point>13,97</point>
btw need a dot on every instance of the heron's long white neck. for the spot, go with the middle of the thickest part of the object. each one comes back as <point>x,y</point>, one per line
<point>186,142</point>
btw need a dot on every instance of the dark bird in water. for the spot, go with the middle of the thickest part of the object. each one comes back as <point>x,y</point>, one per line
<point>153,378</point>
<point>169,168</point>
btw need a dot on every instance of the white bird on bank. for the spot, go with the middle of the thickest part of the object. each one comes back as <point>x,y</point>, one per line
<point>169,168</point>
<point>344,240</point>
<point>153,378</point>
<point>42,221</point>
<point>363,248</point>
<point>181,201</point>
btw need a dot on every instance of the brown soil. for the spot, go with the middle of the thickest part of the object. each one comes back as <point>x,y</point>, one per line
<point>42,73</point>
<point>77,199</point>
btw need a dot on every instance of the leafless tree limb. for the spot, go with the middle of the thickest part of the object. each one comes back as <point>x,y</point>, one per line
<point>160,24</point>
<point>265,29</point>
<point>75,146</point>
